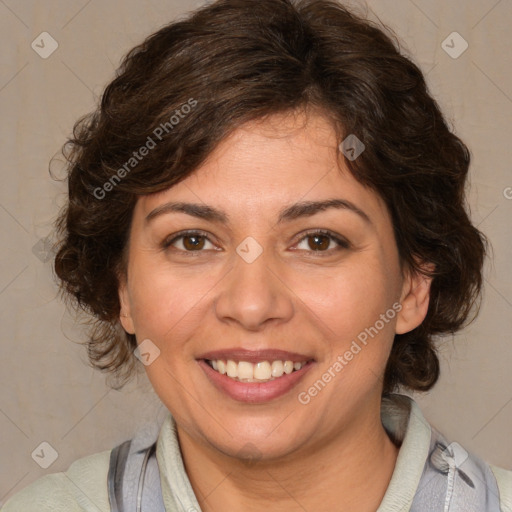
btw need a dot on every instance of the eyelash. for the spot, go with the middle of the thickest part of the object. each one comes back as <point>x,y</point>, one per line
<point>342,243</point>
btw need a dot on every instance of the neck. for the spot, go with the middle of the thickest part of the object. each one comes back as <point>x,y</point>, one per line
<point>350,471</point>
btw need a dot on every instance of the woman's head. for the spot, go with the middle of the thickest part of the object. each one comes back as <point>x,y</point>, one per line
<point>190,117</point>
<point>269,252</point>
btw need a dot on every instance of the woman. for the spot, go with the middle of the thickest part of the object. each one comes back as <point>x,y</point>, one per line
<point>267,211</point>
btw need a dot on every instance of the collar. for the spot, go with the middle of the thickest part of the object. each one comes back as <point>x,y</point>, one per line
<point>407,427</point>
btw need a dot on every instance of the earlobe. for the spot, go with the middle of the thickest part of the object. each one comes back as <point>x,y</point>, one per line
<point>415,301</point>
<point>125,315</point>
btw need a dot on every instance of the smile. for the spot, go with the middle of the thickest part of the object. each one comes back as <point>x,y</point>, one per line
<point>255,376</point>
<point>263,371</point>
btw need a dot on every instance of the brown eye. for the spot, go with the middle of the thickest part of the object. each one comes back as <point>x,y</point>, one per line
<point>193,242</point>
<point>189,242</point>
<point>318,242</point>
<point>322,242</point>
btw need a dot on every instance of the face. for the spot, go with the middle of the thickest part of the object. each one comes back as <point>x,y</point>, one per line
<point>273,264</point>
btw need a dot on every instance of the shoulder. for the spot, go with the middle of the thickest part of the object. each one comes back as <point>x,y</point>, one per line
<point>467,479</point>
<point>435,471</point>
<point>82,487</point>
<point>504,480</point>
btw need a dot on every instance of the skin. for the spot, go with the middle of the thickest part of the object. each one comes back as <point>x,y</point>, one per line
<point>333,453</point>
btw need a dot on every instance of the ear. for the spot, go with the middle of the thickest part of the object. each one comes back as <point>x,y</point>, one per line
<point>125,315</point>
<point>415,299</point>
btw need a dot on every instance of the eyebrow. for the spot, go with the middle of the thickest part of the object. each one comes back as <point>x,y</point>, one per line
<point>295,211</point>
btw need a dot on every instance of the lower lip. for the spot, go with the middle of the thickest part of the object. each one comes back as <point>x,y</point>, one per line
<point>255,392</point>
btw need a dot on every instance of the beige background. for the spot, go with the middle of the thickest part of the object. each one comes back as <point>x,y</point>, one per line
<point>48,392</point>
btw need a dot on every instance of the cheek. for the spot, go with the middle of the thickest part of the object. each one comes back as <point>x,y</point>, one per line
<point>167,304</point>
<point>346,306</point>
<point>347,300</point>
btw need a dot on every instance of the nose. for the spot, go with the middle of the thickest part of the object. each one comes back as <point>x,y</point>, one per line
<point>254,295</point>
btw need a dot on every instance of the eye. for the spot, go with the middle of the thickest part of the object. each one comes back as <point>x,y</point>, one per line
<point>190,241</point>
<point>322,241</point>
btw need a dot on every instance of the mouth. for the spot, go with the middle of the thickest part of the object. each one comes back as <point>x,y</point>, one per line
<point>262,371</point>
<point>255,376</point>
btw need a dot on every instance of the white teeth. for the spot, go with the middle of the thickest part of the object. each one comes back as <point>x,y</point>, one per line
<point>231,369</point>
<point>221,367</point>
<point>277,369</point>
<point>259,372</point>
<point>245,370</point>
<point>262,371</point>
<point>288,367</point>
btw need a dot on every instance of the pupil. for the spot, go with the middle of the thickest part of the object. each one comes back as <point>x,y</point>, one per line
<point>193,242</point>
<point>317,239</point>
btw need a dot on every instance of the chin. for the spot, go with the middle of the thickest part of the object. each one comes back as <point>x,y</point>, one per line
<point>255,440</point>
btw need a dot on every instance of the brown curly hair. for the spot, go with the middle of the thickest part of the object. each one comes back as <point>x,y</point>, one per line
<point>240,60</point>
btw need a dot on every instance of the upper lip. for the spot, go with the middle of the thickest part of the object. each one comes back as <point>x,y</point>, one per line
<point>254,356</point>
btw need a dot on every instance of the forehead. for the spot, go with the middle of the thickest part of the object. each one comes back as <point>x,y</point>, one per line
<point>269,163</point>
